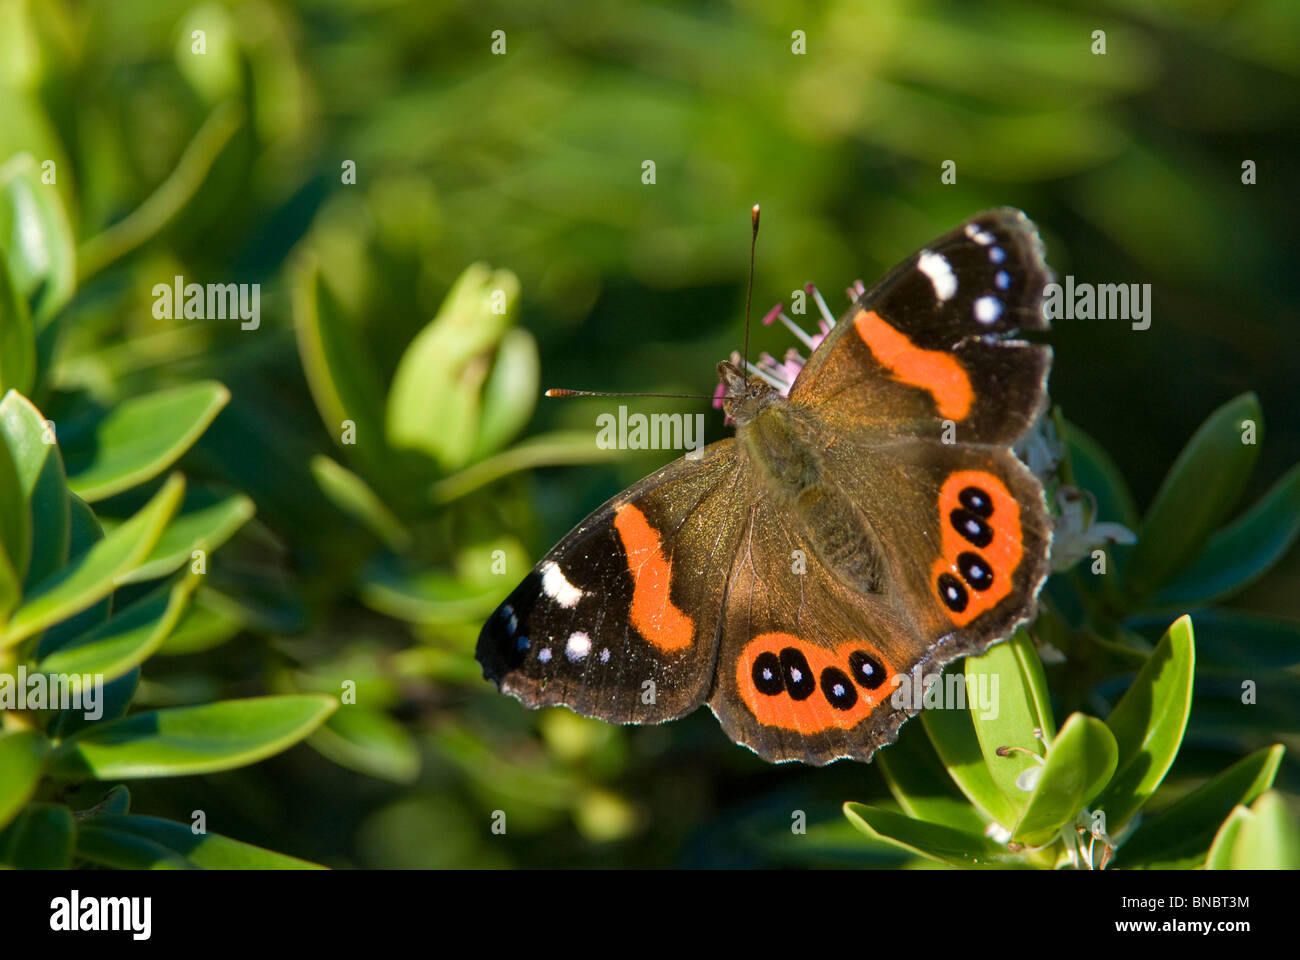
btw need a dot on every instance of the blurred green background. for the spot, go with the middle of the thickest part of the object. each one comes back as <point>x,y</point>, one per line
<point>531,161</point>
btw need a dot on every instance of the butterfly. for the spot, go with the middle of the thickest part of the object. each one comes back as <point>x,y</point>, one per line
<point>867,524</point>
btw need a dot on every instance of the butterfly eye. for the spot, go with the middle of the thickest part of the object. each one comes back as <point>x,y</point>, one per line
<point>767,674</point>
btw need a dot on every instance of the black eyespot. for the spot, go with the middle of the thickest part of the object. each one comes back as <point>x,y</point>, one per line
<point>952,593</point>
<point>976,501</point>
<point>798,676</point>
<point>971,527</point>
<point>866,669</point>
<point>767,674</point>
<point>838,689</point>
<point>975,571</point>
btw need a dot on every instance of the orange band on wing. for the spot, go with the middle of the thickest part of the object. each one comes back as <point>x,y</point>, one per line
<point>935,371</point>
<point>1002,555</point>
<point>812,711</point>
<point>653,613</point>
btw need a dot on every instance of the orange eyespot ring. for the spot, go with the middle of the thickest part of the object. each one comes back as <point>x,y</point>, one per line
<point>982,544</point>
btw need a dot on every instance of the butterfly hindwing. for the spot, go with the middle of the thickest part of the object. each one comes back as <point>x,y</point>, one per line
<point>619,621</point>
<point>929,348</point>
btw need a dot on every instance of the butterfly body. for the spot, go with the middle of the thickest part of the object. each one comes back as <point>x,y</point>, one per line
<point>868,523</point>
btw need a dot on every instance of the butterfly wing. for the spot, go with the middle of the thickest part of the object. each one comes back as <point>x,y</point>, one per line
<point>620,620</point>
<point>930,345</point>
<point>912,401</point>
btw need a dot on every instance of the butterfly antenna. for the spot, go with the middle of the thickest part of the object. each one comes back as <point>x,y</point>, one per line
<point>749,289</point>
<point>563,392</point>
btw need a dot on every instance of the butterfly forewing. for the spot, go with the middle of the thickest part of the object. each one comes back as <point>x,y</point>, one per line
<point>620,620</point>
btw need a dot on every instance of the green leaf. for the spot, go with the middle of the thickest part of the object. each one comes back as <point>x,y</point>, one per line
<point>40,473</point>
<point>1177,838</point>
<point>1019,707</point>
<point>510,393</point>
<point>22,761</point>
<point>1149,722</point>
<point>36,238</point>
<point>188,740</point>
<point>433,403</point>
<point>920,784</point>
<point>40,838</point>
<point>117,800</point>
<point>546,450</point>
<point>138,439</point>
<point>1220,855</point>
<point>952,734</point>
<point>353,496</point>
<point>1268,839</point>
<point>1095,471</point>
<point>429,596</point>
<point>127,639</point>
<point>369,742</point>
<point>1079,762</point>
<point>107,846</point>
<point>17,338</point>
<point>84,532</point>
<point>15,534</point>
<point>195,527</point>
<point>202,626</point>
<point>1238,554</point>
<point>340,372</point>
<point>931,840</point>
<point>92,576</point>
<point>1197,493</point>
<point>209,851</point>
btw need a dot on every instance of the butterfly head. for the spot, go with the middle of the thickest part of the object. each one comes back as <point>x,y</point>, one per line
<point>743,398</point>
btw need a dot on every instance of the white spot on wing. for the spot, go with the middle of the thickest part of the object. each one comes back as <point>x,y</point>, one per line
<point>579,646</point>
<point>982,237</point>
<point>557,587</point>
<point>988,309</point>
<point>936,267</point>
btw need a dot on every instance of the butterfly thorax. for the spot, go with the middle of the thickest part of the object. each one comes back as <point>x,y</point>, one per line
<point>785,446</point>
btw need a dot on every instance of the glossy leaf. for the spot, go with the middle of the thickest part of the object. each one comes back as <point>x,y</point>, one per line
<point>1079,763</point>
<point>202,626</point>
<point>1019,707</point>
<point>44,488</point>
<point>369,742</point>
<point>1197,493</point>
<point>1237,555</point>
<point>1095,471</point>
<point>22,760</point>
<point>101,843</point>
<point>1269,838</point>
<point>208,851</point>
<point>1149,722</point>
<point>84,532</point>
<point>933,841</point>
<point>188,740</point>
<point>15,534</point>
<point>127,639</point>
<point>922,786</point>
<point>138,438</point>
<point>510,393</point>
<point>1220,855</point>
<point>1179,835</point>
<point>195,527</point>
<point>17,338</point>
<point>39,838</point>
<point>353,496</point>
<point>92,576</point>
<point>340,372</point>
<point>952,734</point>
<point>36,238</point>
<point>545,450</point>
<point>433,403</point>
